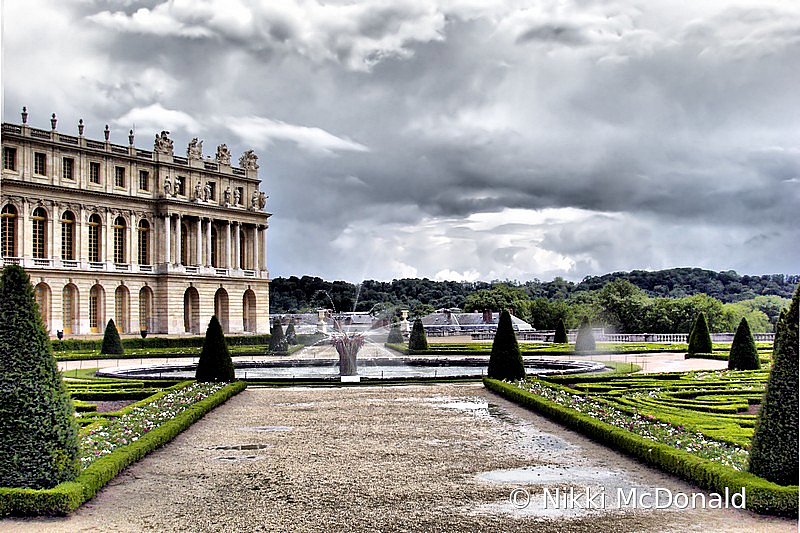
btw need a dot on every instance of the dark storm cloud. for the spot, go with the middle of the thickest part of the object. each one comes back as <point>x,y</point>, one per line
<point>562,138</point>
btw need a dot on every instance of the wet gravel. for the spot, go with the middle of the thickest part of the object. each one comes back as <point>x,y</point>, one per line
<point>412,458</point>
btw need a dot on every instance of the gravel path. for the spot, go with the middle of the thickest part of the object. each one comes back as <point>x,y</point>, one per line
<point>410,458</point>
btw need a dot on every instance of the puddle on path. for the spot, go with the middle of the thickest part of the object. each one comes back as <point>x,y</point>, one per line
<point>235,458</point>
<point>549,474</point>
<point>242,447</point>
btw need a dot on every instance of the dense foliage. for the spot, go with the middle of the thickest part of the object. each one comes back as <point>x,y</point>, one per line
<point>277,340</point>
<point>215,364</point>
<point>38,432</point>
<point>291,334</point>
<point>699,337</point>
<point>743,354</point>
<point>560,336</point>
<point>111,341</point>
<point>505,362</point>
<point>774,452</point>
<point>665,301</point>
<point>417,340</point>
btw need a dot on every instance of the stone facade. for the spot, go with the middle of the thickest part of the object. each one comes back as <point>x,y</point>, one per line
<point>151,239</point>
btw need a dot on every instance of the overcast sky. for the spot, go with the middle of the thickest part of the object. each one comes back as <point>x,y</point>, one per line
<point>454,139</point>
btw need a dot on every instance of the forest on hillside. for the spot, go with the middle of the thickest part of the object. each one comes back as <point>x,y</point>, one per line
<point>658,301</point>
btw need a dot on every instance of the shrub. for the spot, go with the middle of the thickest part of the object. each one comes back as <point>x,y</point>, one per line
<point>111,341</point>
<point>38,432</point>
<point>774,452</point>
<point>291,335</point>
<point>277,341</point>
<point>395,335</point>
<point>505,363</point>
<point>699,337</point>
<point>215,362</point>
<point>561,333</point>
<point>585,341</point>
<point>418,340</point>
<point>743,355</point>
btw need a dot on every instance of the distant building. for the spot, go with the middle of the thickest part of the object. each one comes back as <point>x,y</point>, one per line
<point>453,322</point>
<point>154,240</point>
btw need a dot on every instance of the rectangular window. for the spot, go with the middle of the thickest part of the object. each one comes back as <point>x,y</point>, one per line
<point>67,238</point>
<point>9,158</point>
<point>212,187</point>
<point>94,241</point>
<point>68,168</point>
<point>40,163</point>
<point>119,177</point>
<point>94,172</point>
<point>144,180</point>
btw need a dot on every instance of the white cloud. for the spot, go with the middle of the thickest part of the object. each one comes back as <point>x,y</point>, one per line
<point>156,118</point>
<point>263,132</point>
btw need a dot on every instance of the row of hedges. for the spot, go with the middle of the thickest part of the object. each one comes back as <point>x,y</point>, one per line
<point>75,345</point>
<point>763,497</point>
<point>68,496</point>
<point>719,356</point>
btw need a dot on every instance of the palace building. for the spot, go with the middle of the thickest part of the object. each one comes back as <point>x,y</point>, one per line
<point>154,240</point>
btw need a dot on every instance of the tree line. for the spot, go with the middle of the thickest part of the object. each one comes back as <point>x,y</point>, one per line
<point>663,301</point>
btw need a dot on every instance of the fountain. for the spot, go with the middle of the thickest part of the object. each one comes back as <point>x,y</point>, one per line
<point>347,347</point>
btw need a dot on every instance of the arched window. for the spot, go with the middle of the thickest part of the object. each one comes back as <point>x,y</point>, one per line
<point>214,247</point>
<point>96,308</point>
<point>69,308</point>
<point>42,295</point>
<point>95,233</point>
<point>146,308</point>
<point>249,310</point>
<point>8,231</point>
<point>144,242</point>
<point>68,236</point>
<point>39,233</point>
<point>121,299</point>
<point>119,240</point>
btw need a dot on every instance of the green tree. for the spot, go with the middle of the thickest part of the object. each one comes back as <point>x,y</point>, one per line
<point>561,333</point>
<point>743,355</point>
<point>699,337</point>
<point>112,344</point>
<point>505,363</point>
<point>291,334</point>
<point>773,450</point>
<point>215,364</point>
<point>277,340</point>
<point>395,335</point>
<point>498,298</point>
<point>585,340</point>
<point>418,340</point>
<point>624,306</point>
<point>38,431</point>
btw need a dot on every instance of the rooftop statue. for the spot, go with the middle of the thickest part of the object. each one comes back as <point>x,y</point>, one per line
<point>248,160</point>
<point>195,149</point>
<point>163,144</point>
<point>223,155</point>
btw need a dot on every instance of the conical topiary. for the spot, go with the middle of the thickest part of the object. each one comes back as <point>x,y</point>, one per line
<point>743,355</point>
<point>291,335</point>
<point>418,340</point>
<point>112,344</point>
<point>773,449</point>
<point>215,364</point>
<point>505,363</point>
<point>277,341</point>
<point>585,340</point>
<point>395,335</point>
<point>700,338</point>
<point>38,431</point>
<point>561,333</point>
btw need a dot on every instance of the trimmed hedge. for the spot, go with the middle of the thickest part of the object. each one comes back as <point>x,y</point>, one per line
<point>76,345</point>
<point>68,496</point>
<point>763,497</point>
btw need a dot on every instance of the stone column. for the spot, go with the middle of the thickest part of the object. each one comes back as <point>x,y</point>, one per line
<point>228,263</point>
<point>198,255</point>
<point>167,238</point>
<point>237,253</point>
<point>178,230</point>
<point>264,249</point>
<point>256,238</point>
<point>208,241</point>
